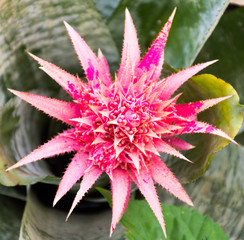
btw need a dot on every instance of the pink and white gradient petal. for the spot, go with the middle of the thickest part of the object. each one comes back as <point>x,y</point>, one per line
<point>73,173</point>
<point>146,186</point>
<point>174,81</point>
<point>163,176</point>
<point>61,110</point>
<point>130,53</point>
<point>87,57</point>
<point>88,180</point>
<point>120,186</point>
<point>62,143</point>
<point>187,110</point>
<point>154,58</point>
<point>178,143</point>
<point>163,146</point>
<point>70,83</point>
<point>104,69</point>
<point>201,127</point>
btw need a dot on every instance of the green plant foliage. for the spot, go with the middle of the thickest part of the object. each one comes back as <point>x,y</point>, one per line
<point>41,221</point>
<point>181,223</point>
<point>219,192</point>
<point>106,7</point>
<point>38,28</point>
<point>226,115</point>
<point>17,137</point>
<point>18,192</point>
<point>10,217</point>
<point>193,24</point>
<point>228,48</point>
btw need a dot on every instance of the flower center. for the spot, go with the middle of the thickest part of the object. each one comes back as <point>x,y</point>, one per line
<point>103,155</point>
<point>122,128</point>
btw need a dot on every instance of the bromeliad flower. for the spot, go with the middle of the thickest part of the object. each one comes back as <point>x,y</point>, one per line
<point>121,127</point>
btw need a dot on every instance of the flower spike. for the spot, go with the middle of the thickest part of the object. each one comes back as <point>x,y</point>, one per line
<point>155,55</point>
<point>130,53</point>
<point>121,191</point>
<point>62,143</point>
<point>120,127</point>
<point>55,108</point>
<point>67,81</point>
<point>72,174</point>
<point>88,180</point>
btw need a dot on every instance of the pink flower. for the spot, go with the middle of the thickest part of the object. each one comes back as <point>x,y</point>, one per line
<point>121,127</point>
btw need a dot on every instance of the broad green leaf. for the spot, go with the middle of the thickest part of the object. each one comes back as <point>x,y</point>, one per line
<point>194,22</point>
<point>10,217</point>
<point>20,130</point>
<point>41,221</point>
<point>226,44</point>
<point>226,115</point>
<point>219,193</point>
<point>181,222</point>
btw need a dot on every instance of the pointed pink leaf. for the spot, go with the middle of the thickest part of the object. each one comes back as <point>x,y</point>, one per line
<point>201,127</point>
<point>162,146</point>
<point>84,120</point>
<point>98,140</point>
<point>119,150</point>
<point>145,184</point>
<point>139,85</point>
<point>67,81</point>
<point>163,176</point>
<point>130,53</point>
<point>87,58</point>
<point>178,143</point>
<point>63,143</point>
<point>104,69</point>
<point>155,55</point>
<point>100,129</point>
<point>174,81</point>
<point>88,180</point>
<point>73,173</point>
<point>61,110</point>
<point>120,192</point>
<point>191,109</point>
<point>151,148</point>
<point>135,158</point>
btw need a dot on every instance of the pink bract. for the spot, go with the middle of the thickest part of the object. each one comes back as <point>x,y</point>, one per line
<point>119,127</point>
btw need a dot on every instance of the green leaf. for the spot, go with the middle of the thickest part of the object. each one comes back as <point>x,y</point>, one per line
<point>10,217</point>
<point>106,8</point>
<point>181,222</point>
<point>18,192</point>
<point>193,24</point>
<point>41,221</point>
<point>106,194</point>
<point>219,193</point>
<point>226,115</point>
<point>20,131</point>
<point>228,48</point>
